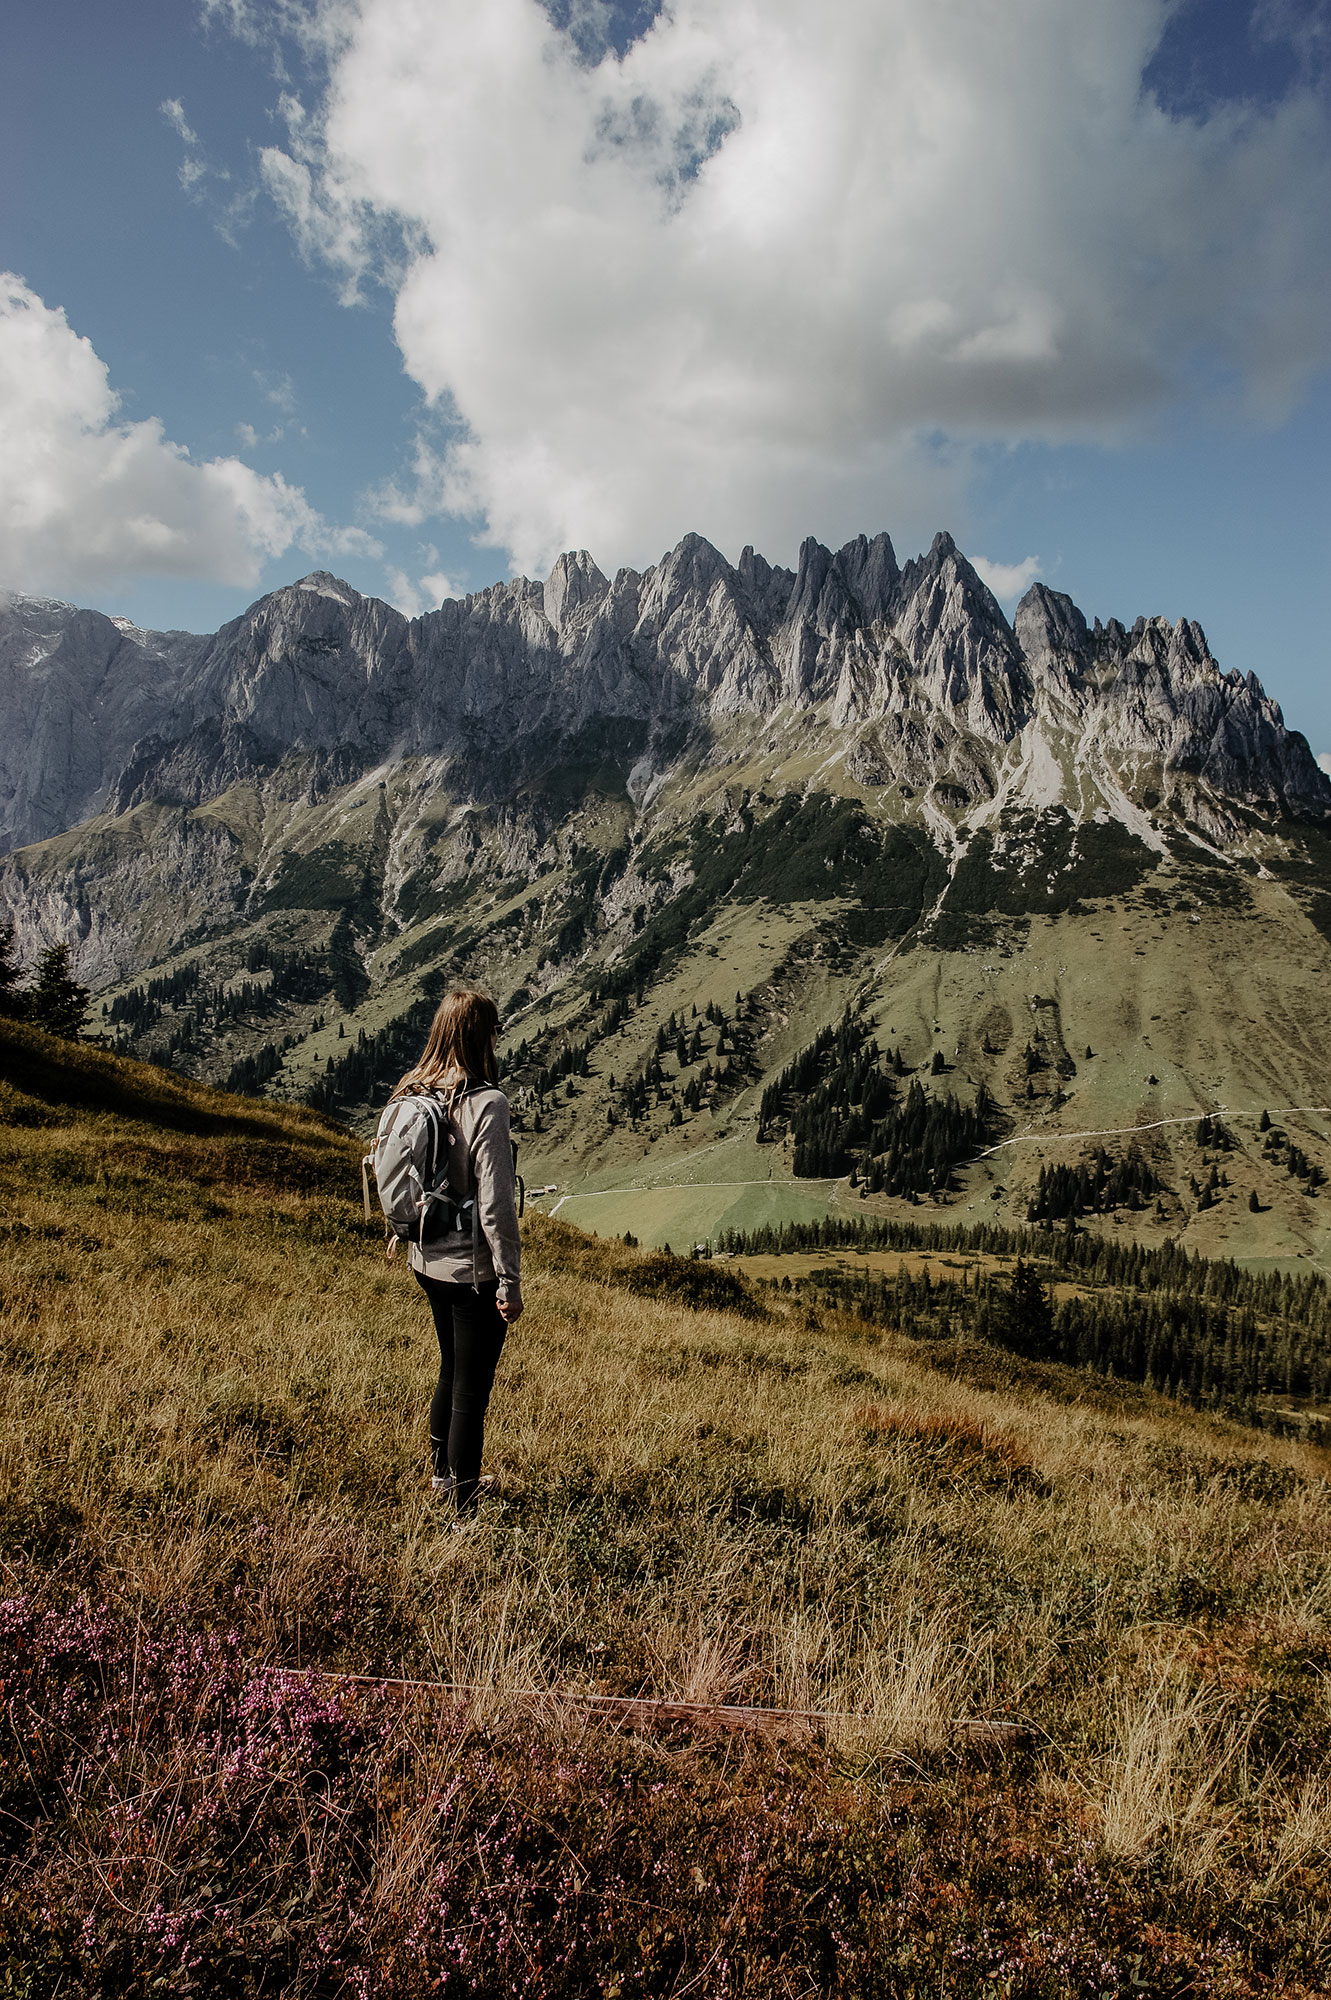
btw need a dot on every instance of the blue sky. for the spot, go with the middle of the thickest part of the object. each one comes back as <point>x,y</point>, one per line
<point>426,293</point>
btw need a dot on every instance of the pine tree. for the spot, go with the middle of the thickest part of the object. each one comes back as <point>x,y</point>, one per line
<point>350,981</point>
<point>11,1000</point>
<point>58,1003</point>
<point>1022,1317</point>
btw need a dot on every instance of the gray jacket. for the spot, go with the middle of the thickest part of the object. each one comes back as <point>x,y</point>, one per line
<point>481,1160</point>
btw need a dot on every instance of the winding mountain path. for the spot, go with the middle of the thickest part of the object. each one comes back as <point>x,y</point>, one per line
<point>1021,1139</point>
<point>1125,1131</point>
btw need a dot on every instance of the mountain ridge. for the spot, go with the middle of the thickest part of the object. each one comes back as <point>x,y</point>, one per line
<point>316,668</point>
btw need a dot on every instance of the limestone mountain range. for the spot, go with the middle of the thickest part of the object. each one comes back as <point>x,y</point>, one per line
<point>919,664</point>
<point>841,782</point>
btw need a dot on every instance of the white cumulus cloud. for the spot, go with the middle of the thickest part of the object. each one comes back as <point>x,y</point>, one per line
<point>784,267</point>
<point>413,595</point>
<point>1007,580</point>
<point>87,501</point>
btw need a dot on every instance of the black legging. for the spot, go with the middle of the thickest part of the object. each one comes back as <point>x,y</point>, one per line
<point>471,1339</point>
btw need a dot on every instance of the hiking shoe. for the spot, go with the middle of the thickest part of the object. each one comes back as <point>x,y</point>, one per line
<point>445,1487</point>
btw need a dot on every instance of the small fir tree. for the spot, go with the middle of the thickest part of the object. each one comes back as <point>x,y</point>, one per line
<point>11,1000</point>
<point>58,1004</point>
<point>350,981</point>
<point>1023,1317</point>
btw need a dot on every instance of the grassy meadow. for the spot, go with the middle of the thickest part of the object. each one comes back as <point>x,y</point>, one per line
<point>222,1560</point>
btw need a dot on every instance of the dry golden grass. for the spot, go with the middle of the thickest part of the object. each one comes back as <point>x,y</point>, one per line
<point>214,1400</point>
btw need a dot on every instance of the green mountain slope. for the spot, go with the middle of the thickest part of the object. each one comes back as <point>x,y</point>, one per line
<point>732,936</point>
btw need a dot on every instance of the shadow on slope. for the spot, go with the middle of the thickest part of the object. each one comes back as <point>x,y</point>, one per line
<point>182,1127</point>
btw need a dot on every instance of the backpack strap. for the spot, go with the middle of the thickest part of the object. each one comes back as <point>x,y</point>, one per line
<point>473,1197</point>
<point>467,1091</point>
<point>435,1123</point>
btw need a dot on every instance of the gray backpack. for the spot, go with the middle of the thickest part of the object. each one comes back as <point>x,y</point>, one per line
<point>409,1160</point>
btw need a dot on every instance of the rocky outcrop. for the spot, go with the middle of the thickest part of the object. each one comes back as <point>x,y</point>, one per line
<point>1155,696</point>
<point>914,664</point>
<point>125,894</point>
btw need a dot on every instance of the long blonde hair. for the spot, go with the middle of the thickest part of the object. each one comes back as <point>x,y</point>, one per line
<point>459,1049</point>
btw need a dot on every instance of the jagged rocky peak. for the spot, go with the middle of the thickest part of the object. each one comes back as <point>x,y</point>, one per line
<point>324,584</point>
<point>317,614</point>
<point>965,655</point>
<point>821,598</point>
<point>322,607</point>
<point>1052,633</point>
<point>872,574</point>
<point>855,586</point>
<point>308,667</point>
<point>685,579</point>
<point>766,587</point>
<point>1059,646</point>
<point>319,605</point>
<point>574,583</point>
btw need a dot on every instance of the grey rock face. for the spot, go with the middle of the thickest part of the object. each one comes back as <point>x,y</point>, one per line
<point>918,662</point>
<point>76,692</point>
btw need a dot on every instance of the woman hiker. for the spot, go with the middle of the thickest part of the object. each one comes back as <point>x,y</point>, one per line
<point>472,1278</point>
